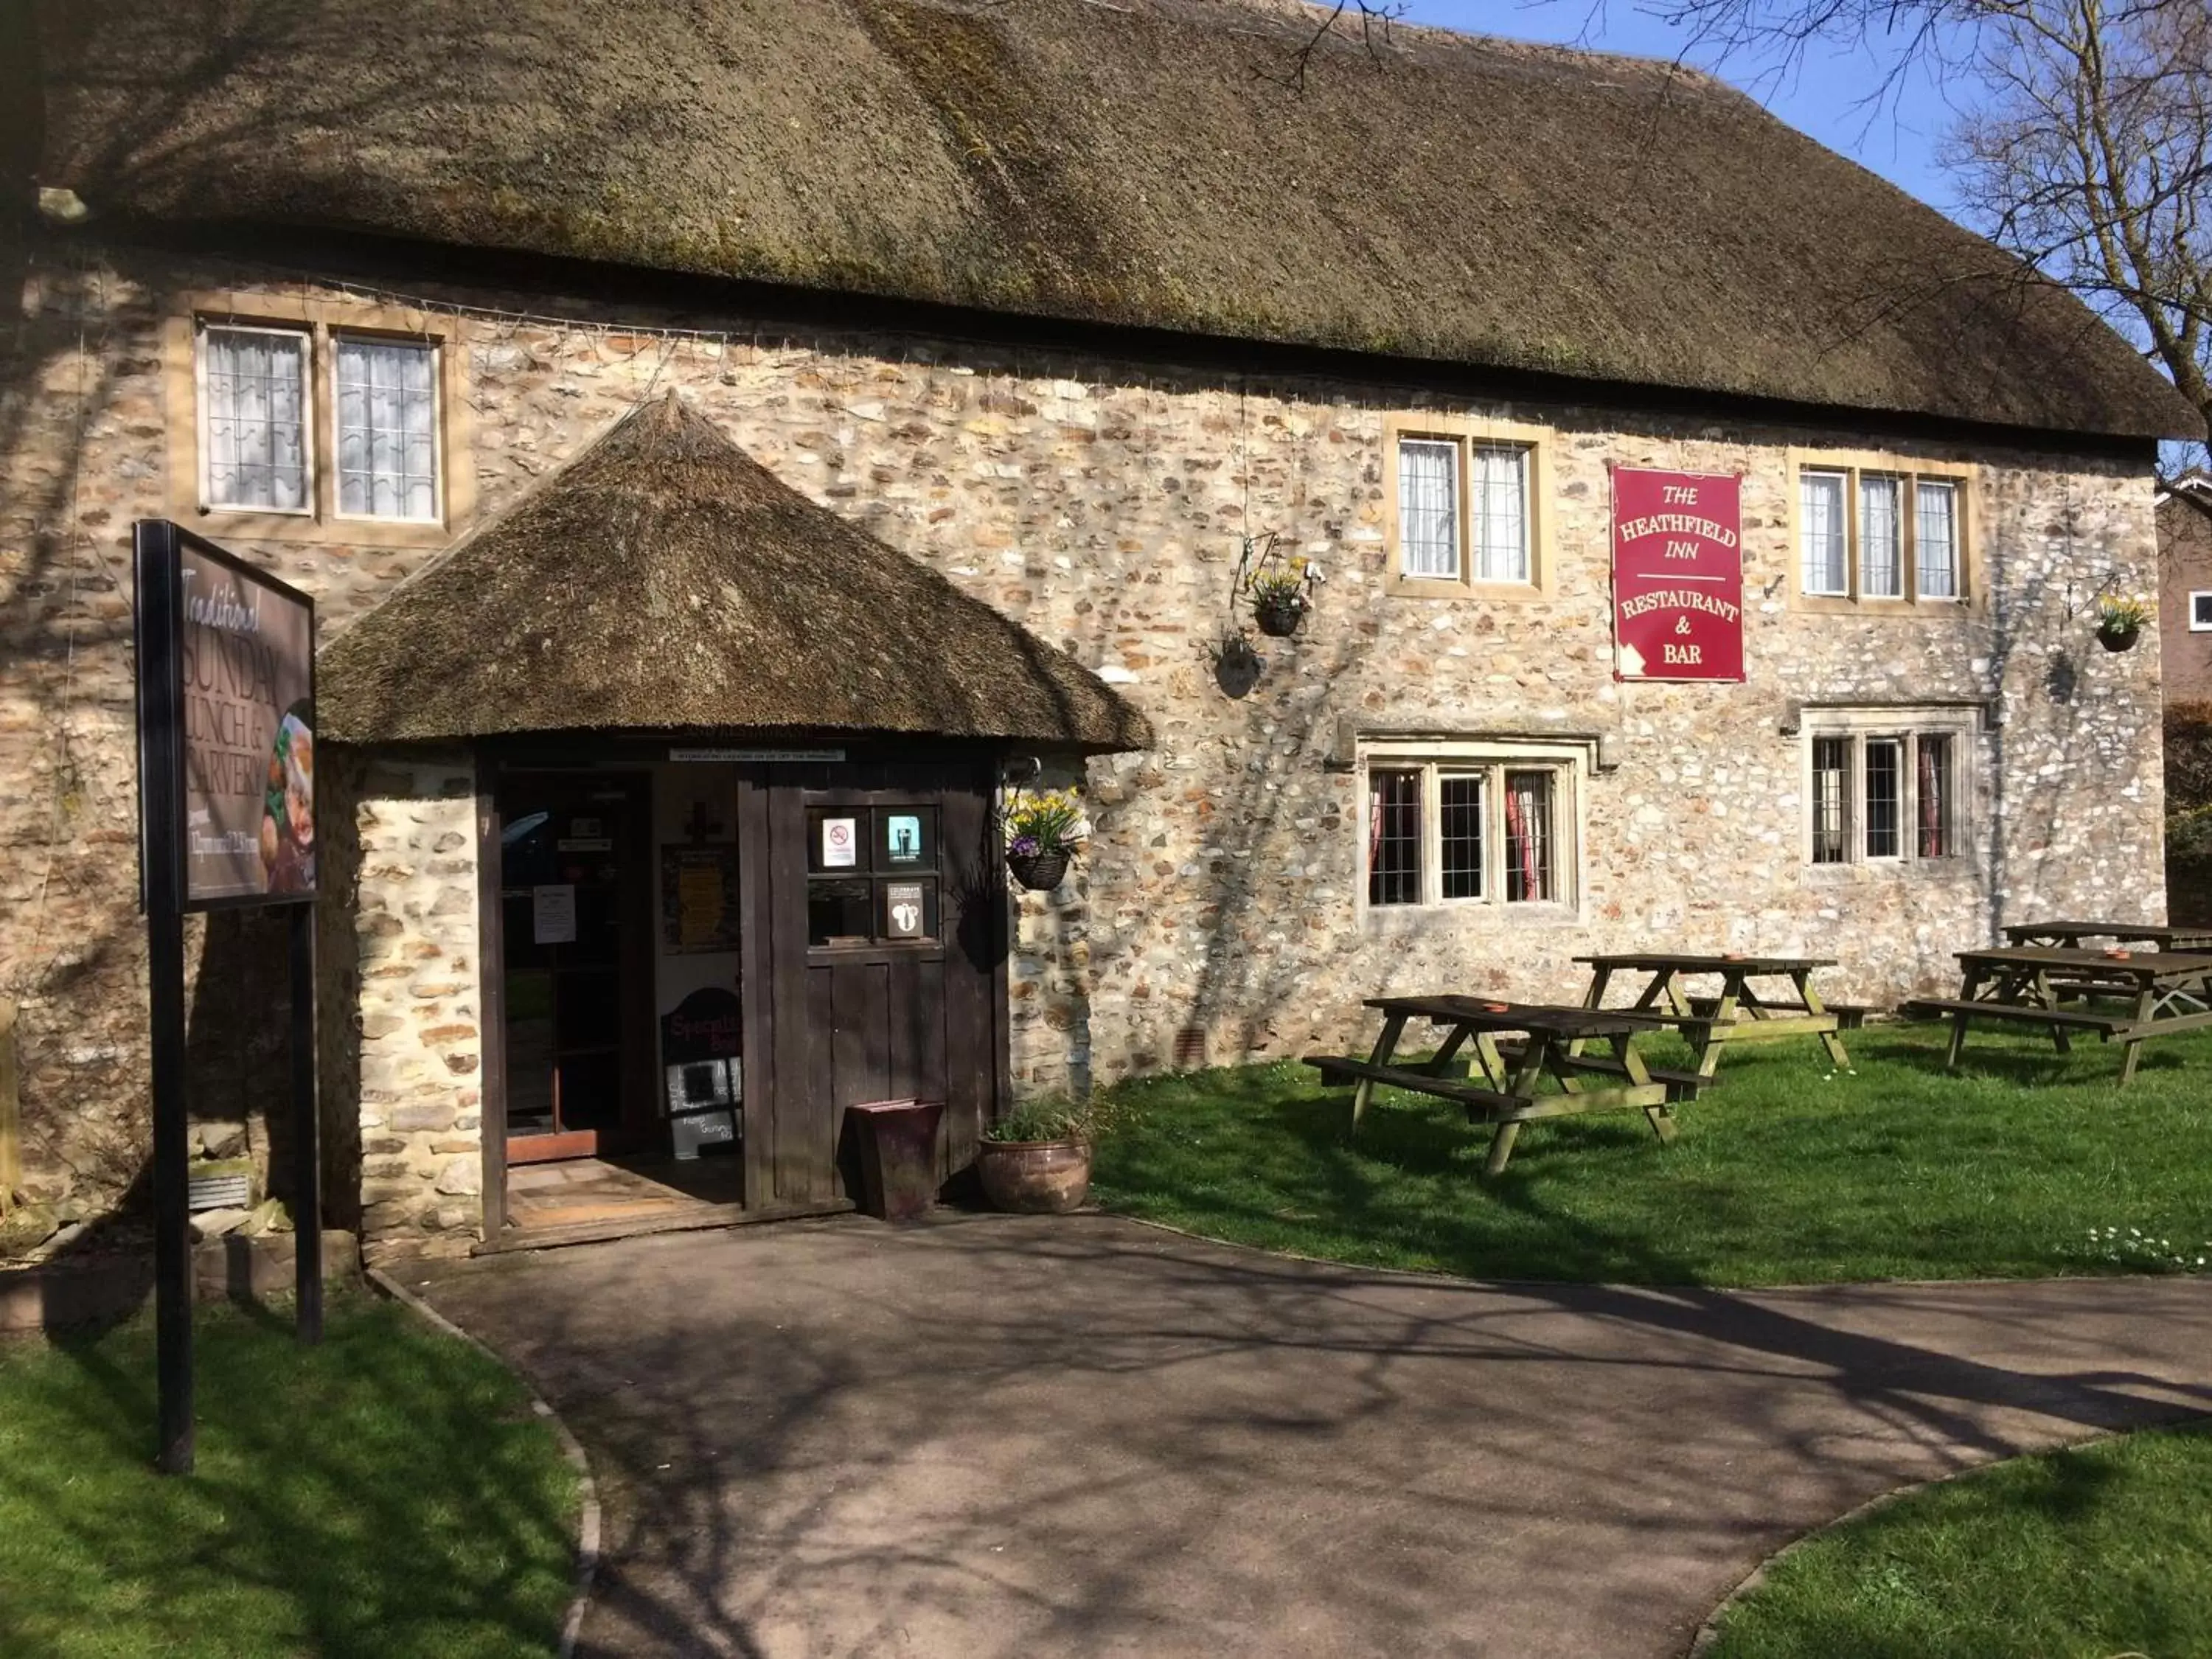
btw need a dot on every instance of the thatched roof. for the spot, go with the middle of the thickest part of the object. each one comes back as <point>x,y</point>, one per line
<point>665,580</point>
<point>1444,198</point>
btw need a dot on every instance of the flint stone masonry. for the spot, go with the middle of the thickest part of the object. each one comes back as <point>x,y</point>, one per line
<point>1101,504</point>
<point>415,963</point>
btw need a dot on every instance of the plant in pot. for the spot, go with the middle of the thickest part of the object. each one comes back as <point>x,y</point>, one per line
<point>1279,600</point>
<point>1036,1159</point>
<point>1280,589</point>
<point>1043,833</point>
<point>2120,618</point>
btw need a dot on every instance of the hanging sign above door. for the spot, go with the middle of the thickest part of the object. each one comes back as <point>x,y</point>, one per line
<point>1677,575</point>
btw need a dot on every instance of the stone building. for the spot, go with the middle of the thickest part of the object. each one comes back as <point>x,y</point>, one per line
<point>769,420</point>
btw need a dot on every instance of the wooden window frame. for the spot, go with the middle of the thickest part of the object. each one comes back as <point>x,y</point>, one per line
<point>337,336</point>
<point>201,412</point>
<point>2195,626</point>
<point>1467,433</point>
<point>1854,466</point>
<point>322,320</point>
<point>1905,727</point>
<point>1569,765</point>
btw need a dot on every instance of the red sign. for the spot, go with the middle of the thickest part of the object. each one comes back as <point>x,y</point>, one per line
<point>1677,575</point>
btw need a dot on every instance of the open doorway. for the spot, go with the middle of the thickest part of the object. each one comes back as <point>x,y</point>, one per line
<point>619,1006</point>
<point>575,879</point>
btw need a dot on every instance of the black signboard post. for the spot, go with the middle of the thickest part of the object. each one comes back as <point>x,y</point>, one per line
<point>226,792</point>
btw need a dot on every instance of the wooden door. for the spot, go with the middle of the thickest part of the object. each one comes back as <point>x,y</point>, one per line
<point>575,884</point>
<point>885,963</point>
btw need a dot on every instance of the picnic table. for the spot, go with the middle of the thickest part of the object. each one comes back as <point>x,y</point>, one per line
<point>1740,1013</point>
<point>2165,993</point>
<point>1553,1040</point>
<point>2073,934</point>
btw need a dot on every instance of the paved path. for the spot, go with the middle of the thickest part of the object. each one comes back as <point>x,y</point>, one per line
<point>995,1435</point>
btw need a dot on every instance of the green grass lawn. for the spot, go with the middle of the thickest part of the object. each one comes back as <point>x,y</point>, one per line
<point>1778,1176</point>
<point>387,1493</point>
<point>2078,1554</point>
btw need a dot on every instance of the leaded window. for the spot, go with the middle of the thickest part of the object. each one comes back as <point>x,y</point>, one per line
<point>1883,792</point>
<point>255,440</point>
<point>1452,828</point>
<point>1877,534</point>
<point>386,427</point>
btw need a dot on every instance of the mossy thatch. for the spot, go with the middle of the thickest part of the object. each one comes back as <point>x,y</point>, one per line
<point>665,580</point>
<point>1441,197</point>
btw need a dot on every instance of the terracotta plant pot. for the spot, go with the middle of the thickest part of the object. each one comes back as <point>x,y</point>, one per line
<point>1279,620</point>
<point>2118,639</point>
<point>1038,871</point>
<point>1035,1177</point>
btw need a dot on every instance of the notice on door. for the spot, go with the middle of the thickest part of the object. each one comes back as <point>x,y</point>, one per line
<point>699,898</point>
<point>902,912</point>
<point>553,914</point>
<point>840,843</point>
<point>1677,575</point>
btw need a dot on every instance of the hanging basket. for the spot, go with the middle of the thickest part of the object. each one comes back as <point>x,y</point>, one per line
<point>2118,639</point>
<point>1038,871</point>
<point>1279,621</point>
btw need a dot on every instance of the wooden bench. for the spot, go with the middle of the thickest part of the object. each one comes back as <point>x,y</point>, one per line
<point>1349,1068</point>
<point>1548,1037</point>
<point>1849,1016</point>
<point>2167,992</point>
<point>1483,1105</point>
<point>1681,1085</point>
<point>2109,1026</point>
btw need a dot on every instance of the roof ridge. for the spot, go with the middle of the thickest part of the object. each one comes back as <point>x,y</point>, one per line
<point>1343,29</point>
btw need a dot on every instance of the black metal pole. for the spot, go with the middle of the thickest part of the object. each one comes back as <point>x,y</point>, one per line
<point>160,862</point>
<point>307,1158</point>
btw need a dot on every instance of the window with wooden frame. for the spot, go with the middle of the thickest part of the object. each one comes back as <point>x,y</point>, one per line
<point>1886,788</point>
<point>316,420</point>
<point>1870,530</point>
<point>1445,827</point>
<point>1469,512</point>
<point>255,430</point>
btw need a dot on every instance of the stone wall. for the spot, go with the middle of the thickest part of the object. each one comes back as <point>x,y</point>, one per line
<point>414,1002</point>
<point>1102,504</point>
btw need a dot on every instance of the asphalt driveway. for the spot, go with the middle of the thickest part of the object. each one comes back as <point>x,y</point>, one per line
<point>987,1436</point>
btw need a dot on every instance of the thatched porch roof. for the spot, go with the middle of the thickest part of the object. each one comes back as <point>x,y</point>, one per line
<point>665,580</point>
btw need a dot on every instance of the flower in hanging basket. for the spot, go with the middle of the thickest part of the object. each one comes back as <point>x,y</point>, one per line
<point>1043,833</point>
<point>1279,601</point>
<point>2120,618</point>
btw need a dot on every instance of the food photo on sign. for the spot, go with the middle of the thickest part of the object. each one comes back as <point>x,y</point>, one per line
<point>1677,575</point>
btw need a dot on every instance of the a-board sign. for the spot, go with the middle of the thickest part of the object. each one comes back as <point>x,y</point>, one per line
<point>1677,575</point>
<point>224,681</point>
<point>244,650</point>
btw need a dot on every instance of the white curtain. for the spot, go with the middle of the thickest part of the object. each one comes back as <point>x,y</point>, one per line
<point>1820,513</point>
<point>1501,513</point>
<point>256,419</point>
<point>1428,508</point>
<point>1937,534</point>
<point>387,450</point>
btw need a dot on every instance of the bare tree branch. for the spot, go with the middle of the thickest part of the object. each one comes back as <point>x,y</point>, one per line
<point>2087,148</point>
<point>1374,18</point>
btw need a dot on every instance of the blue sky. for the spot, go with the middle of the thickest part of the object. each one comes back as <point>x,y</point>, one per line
<point>1825,94</point>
